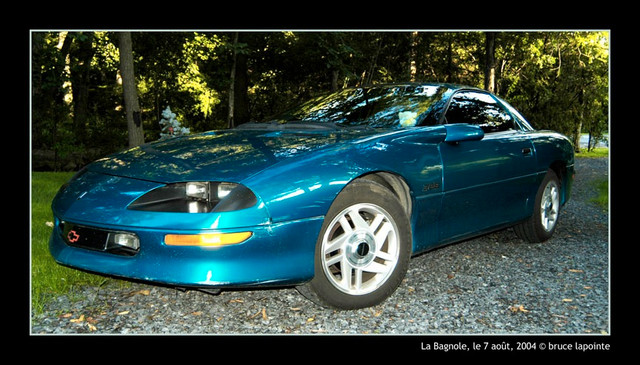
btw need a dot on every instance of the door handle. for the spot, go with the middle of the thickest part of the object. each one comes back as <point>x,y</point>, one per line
<point>526,151</point>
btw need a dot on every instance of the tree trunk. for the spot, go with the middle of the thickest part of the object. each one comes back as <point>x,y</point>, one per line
<point>413,69</point>
<point>578,130</point>
<point>334,80</point>
<point>449,68</point>
<point>367,79</point>
<point>238,99</point>
<point>576,137</point>
<point>134,121</point>
<point>37,41</point>
<point>241,103</point>
<point>232,85</point>
<point>490,62</point>
<point>81,57</point>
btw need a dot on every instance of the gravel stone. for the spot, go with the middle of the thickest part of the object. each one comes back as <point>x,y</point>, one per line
<point>494,284</point>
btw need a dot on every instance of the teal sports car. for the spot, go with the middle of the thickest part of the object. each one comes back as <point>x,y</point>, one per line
<point>333,197</point>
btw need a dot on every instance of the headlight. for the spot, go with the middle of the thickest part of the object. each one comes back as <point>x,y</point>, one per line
<point>197,190</point>
<point>196,197</point>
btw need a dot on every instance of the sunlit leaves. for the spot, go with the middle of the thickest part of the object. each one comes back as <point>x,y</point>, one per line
<point>193,82</point>
<point>196,51</point>
<point>557,79</point>
<point>202,47</point>
<point>107,54</point>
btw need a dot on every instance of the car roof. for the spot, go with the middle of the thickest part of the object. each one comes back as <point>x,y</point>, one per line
<point>451,86</point>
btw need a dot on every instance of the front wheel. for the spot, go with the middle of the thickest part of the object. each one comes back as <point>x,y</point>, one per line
<point>363,250</point>
<point>541,225</point>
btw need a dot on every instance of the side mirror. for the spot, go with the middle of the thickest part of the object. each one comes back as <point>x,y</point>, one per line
<point>463,132</point>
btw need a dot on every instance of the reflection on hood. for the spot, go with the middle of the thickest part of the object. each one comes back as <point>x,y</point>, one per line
<point>231,155</point>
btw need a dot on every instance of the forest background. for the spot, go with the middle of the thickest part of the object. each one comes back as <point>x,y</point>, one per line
<point>98,92</point>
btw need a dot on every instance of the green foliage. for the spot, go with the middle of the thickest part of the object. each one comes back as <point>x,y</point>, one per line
<point>602,197</point>
<point>598,152</point>
<point>49,279</point>
<point>197,51</point>
<point>558,79</point>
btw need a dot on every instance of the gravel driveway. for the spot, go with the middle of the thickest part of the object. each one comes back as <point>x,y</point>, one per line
<point>495,284</point>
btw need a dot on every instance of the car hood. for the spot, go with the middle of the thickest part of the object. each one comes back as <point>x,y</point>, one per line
<point>230,155</point>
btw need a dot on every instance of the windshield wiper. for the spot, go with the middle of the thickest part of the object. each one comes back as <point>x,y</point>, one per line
<point>258,125</point>
<point>291,125</point>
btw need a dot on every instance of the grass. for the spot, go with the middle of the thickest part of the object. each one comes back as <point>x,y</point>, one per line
<point>602,186</point>
<point>602,199</point>
<point>597,152</point>
<point>49,279</point>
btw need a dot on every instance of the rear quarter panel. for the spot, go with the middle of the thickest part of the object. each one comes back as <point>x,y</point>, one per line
<point>555,151</point>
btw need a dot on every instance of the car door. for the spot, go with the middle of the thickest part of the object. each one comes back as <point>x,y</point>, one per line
<point>486,183</point>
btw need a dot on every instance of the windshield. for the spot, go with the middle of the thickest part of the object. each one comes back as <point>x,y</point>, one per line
<point>378,107</point>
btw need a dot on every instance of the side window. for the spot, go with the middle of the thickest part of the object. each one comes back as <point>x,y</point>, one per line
<point>480,109</point>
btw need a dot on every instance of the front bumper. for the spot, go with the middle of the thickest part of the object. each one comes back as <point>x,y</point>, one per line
<point>276,254</point>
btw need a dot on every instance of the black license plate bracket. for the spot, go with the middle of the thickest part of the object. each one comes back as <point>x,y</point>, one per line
<point>85,237</point>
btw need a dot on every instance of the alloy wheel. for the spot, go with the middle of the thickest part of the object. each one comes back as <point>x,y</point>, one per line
<point>549,206</point>
<point>360,249</point>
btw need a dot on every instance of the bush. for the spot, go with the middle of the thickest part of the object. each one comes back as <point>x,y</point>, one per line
<point>171,127</point>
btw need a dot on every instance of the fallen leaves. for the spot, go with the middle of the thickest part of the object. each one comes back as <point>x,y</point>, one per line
<point>263,312</point>
<point>89,322</point>
<point>518,309</point>
<point>78,320</point>
<point>144,292</point>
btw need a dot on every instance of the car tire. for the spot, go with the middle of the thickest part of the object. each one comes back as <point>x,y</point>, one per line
<point>363,250</point>
<point>541,225</point>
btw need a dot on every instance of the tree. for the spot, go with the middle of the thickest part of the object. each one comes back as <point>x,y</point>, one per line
<point>132,107</point>
<point>558,80</point>
<point>238,102</point>
<point>490,63</point>
<point>81,56</point>
<point>413,70</point>
<point>232,84</point>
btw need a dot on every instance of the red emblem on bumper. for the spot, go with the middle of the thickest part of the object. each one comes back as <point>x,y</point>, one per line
<point>73,236</point>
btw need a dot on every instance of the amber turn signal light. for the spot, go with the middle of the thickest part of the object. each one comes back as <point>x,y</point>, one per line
<point>206,239</point>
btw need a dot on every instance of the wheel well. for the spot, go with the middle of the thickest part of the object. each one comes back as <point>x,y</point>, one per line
<point>560,169</point>
<point>396,184</point>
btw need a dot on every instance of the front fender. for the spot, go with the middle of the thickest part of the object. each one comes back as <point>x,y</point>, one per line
<point>303,188</point>
<point>306,186</point>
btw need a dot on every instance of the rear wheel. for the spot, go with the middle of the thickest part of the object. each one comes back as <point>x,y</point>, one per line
<point>363,250</point>
<point>542,224</point>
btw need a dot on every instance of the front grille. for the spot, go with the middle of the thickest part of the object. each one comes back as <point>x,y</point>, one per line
<point>93,239</point>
